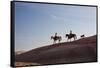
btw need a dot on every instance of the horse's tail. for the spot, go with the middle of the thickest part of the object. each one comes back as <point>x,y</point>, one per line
<point>51,37</point>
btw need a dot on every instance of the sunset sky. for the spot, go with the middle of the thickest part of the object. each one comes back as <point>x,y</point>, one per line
<point>35,23</point>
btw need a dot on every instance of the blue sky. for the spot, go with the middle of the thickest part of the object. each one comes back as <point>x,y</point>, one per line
<point>35,23</point>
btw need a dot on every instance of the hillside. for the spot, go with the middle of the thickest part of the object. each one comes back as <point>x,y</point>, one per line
<point>82,50</point>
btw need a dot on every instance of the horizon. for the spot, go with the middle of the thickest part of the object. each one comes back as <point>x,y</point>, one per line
<point>23,51</point>
<point>35,23</point>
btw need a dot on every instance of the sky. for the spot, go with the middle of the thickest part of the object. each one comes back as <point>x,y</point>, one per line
<point>35,23</point>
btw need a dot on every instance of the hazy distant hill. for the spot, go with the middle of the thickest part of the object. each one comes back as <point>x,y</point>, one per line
<point>19,52</point>
<point>82,50</point>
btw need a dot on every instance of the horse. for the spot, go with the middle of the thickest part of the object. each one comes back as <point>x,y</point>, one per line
<point>55,38</point>
<point>82,36</point>
<point>70,36</point>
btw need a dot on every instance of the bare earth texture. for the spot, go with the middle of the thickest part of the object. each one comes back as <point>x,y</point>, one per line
<point>81,50</point>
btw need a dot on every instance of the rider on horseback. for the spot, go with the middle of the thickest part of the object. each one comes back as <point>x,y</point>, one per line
<point>71,35</point>
<point>56,36</point>
<point>70,32</point>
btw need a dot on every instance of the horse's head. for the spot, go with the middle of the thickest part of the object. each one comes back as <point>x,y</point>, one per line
<point>67,35</point>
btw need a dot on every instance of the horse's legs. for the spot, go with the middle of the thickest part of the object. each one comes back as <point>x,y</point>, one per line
<point>74,38</point>
<point>67,40</point>
<point>70,40</point>
<point>54,42</point>
<point>59,41</point>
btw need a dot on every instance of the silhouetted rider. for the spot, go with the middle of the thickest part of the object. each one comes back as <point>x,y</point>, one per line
<point>70,32</point>
<point>56,36</point>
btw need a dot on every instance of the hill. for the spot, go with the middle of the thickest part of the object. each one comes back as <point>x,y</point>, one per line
<point>81,50</point>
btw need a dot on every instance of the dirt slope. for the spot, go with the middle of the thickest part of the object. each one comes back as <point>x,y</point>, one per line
<point>82,50</point>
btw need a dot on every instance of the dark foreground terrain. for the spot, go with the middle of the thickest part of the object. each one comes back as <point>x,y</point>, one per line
<point>82,50</point>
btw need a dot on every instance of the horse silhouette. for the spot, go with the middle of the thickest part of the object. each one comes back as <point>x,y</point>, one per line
<point>56,38</point>
<point>82,36</point>
<point>70,36</point>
